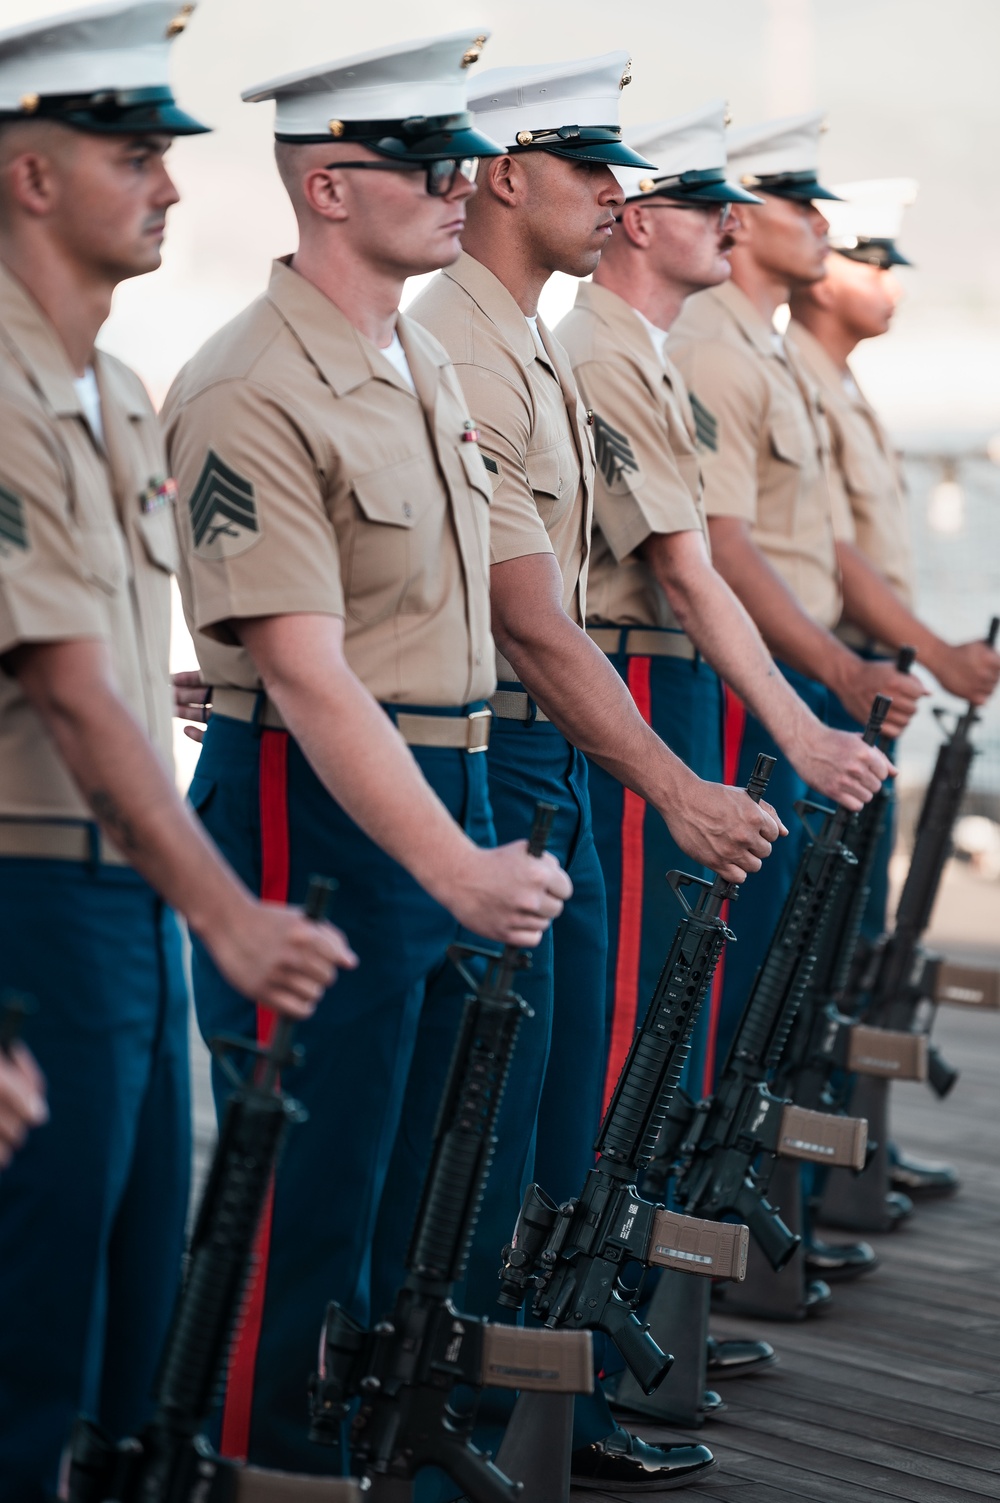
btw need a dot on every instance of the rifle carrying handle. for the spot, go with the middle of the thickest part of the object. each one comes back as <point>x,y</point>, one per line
<point>760,777</point>
<point>991,635</point>
<point>905,659</point>
<point>316,907</point>
<point>541,828</point>
<point>317,904</point>
<point>14,1008</point>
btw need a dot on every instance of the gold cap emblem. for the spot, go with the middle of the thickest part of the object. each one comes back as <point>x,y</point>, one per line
<point>627,75</point>
<point>646,185</point>
<point>336,127</point>
<point>727,118</point>
<point>473,54</point>
<point>29,103</point>
<point>749,180</point>
<point>177,25</point>
<point>524,138</point>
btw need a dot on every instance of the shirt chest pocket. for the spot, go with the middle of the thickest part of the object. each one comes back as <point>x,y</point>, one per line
<point>790,441</point>
<point>159,538</point>
<point>554,477</point>
<point>104,557</point>
<point>392,545</point>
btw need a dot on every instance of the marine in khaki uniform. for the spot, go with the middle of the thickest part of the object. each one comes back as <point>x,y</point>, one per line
<point>767,493</point>
<point>856,300</point>
<point>94,839</point>
<point>334,526</point>
<point>666,618</point>
<point>549,204</point>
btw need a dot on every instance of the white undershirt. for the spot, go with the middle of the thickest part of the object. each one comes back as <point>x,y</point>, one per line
<point>90,401</point>
<point>657,335</point>
<point>532,323</point>
<point>396,356</point>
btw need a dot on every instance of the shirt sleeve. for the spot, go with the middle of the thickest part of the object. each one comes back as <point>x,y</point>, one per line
<point>53,569</point>
<point>256,536</point>
<point>501,413</point>
<point>639,489</point>
<point>730,400</point>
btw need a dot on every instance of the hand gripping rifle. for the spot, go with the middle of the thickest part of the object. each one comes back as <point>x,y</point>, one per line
<point>902,977</point>
<point>827,1045</point>
<point>405,1370</point>
<point>727,1145</point>
<point>572,1256</point>
<point>171,1461</point>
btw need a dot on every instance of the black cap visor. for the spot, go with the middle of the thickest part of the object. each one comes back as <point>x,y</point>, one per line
<point>115,112</point>
<point>873,252</point>
<point>708,187</point>
<point>587,143</point>
<point>430,138</point>
<point>800,186</point>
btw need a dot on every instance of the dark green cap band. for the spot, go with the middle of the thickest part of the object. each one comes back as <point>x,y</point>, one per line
<point>800,186</point>
<point>874,252</point>
<point>422,138</point>
<point>590,143</point>
<point>707,186</point>
<point>114,112</point>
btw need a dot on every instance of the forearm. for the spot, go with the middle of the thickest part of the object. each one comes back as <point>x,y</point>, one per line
<point>871,603</point>
<point>364,763</point>
<point>576,686</point>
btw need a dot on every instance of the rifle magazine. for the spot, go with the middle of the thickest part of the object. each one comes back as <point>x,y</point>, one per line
<point>715,1249</point>
<point>890,1053</point>
<point>966,985</point>
<point>822,1138</point>
<point>536,1360</point>
<point>252,1485</point>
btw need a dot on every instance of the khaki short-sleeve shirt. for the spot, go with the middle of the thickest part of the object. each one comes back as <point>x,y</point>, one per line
<point>313,479</point>
<point>87,544</point>
<point>533,429</point>
<point>769,464</point>
<point>866,471</point>
<point>648,477</point>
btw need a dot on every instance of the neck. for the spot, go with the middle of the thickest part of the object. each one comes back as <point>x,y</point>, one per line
<point>828,331</point>
<point>498,247</point>
<point>368,296</point>
<point>656,297</point>
<point>73,298</point>
<point>766,289</point>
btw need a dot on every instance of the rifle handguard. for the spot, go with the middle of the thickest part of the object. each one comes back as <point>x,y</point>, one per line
<point>716,1249</point>
<point>890,1053</point>
<point>537,1360</point>
<point>822,1138</point>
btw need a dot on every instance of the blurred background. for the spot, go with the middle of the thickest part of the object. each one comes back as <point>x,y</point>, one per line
<point>909,88</point>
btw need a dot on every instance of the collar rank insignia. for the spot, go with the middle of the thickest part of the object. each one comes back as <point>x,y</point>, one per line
<point>223,511</point>
<point>706,425</point>
<point>612,450</point>
<point>13,525</point>
<point>157,495</point>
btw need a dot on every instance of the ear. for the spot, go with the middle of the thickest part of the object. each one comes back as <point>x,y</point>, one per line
<point>502,178</point>
<point>323,189</point>
<point>33,183</point>
<point>635,224</point>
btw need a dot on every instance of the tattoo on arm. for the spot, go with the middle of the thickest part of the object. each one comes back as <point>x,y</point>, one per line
<point>113,820</point>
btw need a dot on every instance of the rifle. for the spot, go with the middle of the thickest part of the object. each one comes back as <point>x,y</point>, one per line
<point>171,1461</point>
<point>572,1256</point>
<point>901,977</point>
<point>826,1045</point>
<point>407,1366</point>
<point>728,1144</point>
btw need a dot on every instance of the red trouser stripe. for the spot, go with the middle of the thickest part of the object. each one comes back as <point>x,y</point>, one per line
<point>274,888</point>
<point>733,726</point>
<point>630,909</point>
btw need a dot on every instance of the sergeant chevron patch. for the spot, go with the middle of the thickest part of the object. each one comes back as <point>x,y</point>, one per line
<point>13,524</point>
<point>612,450</point>
<point>223,511</point>
<point>706,425</point>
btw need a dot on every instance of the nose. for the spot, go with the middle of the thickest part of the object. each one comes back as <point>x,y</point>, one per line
<point>167,194</point>
<point>820,223</point>
<point>611,191</point>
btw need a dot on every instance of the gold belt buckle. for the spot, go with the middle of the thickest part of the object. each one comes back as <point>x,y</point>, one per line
<point>477,735</point>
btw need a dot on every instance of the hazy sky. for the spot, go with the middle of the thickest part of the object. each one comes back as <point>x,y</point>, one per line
<point>909,86</point>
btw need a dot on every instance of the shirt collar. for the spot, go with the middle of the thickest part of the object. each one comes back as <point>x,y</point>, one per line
<point>743,313</point>
<point>631,330</point>
<point>492,298</point>
<point>36,346</point>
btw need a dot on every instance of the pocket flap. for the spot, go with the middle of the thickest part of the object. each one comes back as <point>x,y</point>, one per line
<point>789,440</point>
<point>398,495</point>
<point>159,535</point>
<point>544,469</point>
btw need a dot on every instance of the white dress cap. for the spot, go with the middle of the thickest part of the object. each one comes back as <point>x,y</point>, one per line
<point>780,156</point>
<point>571,109</point>
<point>865,225</point>
<point>690,155</point>
<point>424,80</point>
<point>103,68</point>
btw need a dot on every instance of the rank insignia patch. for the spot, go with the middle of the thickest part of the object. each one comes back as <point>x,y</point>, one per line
<point>223,511</point>
<point>491,465</point>
<point>612,451</point>
<point>13,524</point>
<point>706,425</point>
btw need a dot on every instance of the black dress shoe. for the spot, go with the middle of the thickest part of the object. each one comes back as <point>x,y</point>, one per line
<point>735,1359</point>
<point>836,1262</point>
<point>897,1207</point>
<point>924,1178</point>
<point>623,1462</point>
<point>712,1403</point>
<point>818,1297</point>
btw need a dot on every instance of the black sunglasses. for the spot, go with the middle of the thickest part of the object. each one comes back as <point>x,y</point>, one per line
<point>441,175</point>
